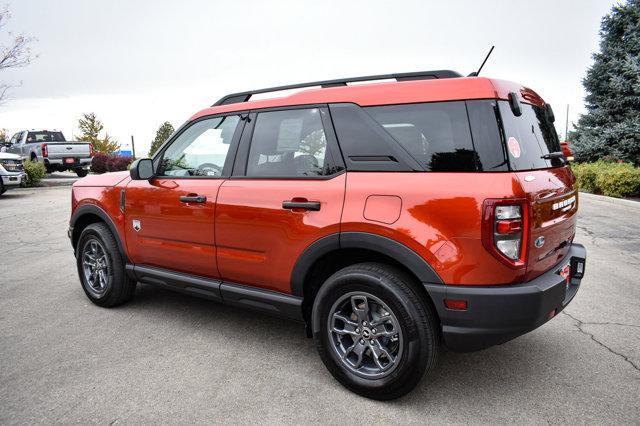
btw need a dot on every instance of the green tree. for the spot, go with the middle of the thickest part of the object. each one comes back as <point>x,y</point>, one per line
<point>163,133</point>
<point>91,127</point>
<point>611,126</point>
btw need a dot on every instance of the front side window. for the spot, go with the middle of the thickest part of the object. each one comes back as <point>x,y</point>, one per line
<point>436,134</point>
<point>201,150</point>
<point>289,143</point>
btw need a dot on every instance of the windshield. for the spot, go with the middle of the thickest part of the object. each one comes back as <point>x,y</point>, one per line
<point>529,137</point>
<point>45,136</point>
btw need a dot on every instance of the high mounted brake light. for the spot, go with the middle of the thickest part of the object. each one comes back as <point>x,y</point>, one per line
<point>505,230</point>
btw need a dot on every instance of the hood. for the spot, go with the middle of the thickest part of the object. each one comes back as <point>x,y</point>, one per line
<point>8,156</point>
<point>106,179</point>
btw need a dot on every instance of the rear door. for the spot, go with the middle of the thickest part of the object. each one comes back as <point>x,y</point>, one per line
<point>169,220</point>
<point>548,184</point>
<point>286,192</point>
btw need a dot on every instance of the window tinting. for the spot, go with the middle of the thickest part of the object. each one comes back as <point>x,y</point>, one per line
<point>201,150</point>
<point>535,136</point>
<point>288,143</point>
<point>436,134</point>
<point>487,140</point>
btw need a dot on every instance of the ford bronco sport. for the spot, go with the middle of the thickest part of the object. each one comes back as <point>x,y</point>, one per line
<point>392,217</point>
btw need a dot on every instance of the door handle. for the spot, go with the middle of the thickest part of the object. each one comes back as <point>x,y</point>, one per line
<point>313,206</point>
<point>193,198</point>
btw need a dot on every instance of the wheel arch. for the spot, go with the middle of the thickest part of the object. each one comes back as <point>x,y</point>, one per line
<point>336,251</point>
<point>87,214</point>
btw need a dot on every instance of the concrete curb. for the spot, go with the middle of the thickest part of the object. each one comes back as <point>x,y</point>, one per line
<point>56,182</point>
<point>618,201</point>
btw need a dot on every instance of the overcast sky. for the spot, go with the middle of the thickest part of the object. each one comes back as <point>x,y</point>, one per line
<point>138,63</point>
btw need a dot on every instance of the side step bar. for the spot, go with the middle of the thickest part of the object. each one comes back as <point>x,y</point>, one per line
<point>266,301</point>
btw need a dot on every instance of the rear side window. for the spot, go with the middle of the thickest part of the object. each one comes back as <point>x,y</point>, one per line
<point>289,143</point>
<point>487,137</point>
<point>436,134</point>
<point>529,137</point>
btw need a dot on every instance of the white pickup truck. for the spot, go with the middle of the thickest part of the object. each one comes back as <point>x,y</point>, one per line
<point>51,148</point>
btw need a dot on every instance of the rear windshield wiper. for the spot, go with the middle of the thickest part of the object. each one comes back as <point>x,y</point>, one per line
<point>553,155</point>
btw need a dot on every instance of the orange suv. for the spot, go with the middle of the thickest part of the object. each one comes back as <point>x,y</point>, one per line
<point>393,217</point>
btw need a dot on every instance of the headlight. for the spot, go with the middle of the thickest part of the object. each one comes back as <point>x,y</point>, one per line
<point>11,165</point>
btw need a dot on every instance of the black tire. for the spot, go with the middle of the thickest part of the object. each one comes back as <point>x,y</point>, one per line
<point>418,340</point>
<point>81,172</point>
<point>118,287</point>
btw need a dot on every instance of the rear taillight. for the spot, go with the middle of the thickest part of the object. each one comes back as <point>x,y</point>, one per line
<point>45,150</point>
<point>90,150</point>
<point>504,230</point>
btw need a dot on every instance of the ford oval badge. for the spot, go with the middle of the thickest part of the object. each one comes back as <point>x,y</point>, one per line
<point>539,242</point>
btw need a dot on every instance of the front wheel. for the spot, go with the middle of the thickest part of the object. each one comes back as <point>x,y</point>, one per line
<point>374,331</point>
<point>81,172</point>
<point>101,268</point>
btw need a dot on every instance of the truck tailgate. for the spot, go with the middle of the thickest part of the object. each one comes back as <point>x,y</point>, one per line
<point>68,149</point>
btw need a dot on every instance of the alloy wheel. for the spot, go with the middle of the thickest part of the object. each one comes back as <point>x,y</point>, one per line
<point>96,267</point>
<point>365,334</point>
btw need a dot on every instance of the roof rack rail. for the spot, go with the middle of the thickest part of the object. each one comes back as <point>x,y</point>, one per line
<point>418,75</point>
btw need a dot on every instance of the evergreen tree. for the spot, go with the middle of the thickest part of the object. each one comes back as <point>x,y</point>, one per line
<point>163,133</point>
<point>611,126</point>
<point>91,127</point>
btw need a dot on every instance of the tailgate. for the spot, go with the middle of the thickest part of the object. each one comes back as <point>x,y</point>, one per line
<point>68,149</point>
<point>554,207</point>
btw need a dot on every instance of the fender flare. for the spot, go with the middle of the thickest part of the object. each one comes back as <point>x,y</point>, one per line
<point>97,211</point>
<point>361,240</point>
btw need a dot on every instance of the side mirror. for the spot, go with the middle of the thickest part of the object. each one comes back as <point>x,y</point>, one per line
<point>142,169</point>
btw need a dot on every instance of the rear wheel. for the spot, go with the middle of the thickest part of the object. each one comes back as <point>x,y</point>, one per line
<point>373,330</point>
<point>101,268</point>
<point>2,188</point>
<point>81,172</point>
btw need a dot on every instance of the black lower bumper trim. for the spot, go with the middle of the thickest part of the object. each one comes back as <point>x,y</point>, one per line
<point>497,314</point>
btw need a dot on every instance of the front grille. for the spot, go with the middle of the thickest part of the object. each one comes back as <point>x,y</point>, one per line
<point>12,165</point>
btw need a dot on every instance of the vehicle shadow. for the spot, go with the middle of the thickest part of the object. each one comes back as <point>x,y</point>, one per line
<point>499,372</point>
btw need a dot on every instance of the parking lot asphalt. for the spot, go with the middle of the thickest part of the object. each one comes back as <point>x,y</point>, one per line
<point>171,358</point>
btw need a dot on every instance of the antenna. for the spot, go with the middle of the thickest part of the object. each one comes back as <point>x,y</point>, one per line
<point>476,73</point>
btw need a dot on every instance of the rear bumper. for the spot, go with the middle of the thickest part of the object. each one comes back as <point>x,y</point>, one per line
<point>59,162</point>
<point>497,314</point>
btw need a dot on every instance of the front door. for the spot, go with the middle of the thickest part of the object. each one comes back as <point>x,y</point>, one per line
<point>170,218</point>
<point>286,192</point>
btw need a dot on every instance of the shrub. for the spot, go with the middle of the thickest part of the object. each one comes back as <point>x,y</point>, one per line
<point>118,163</point>
<point>103,163</point>
<point>619,182</point>
<point>99,163</point>
<point>611,179</point>
<point>585,176</point>
<point>35,172</point>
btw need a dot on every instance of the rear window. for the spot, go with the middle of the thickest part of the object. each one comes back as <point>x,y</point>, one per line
<point>435,134</point>
<point>529,137</point>
<point>45,137</point>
